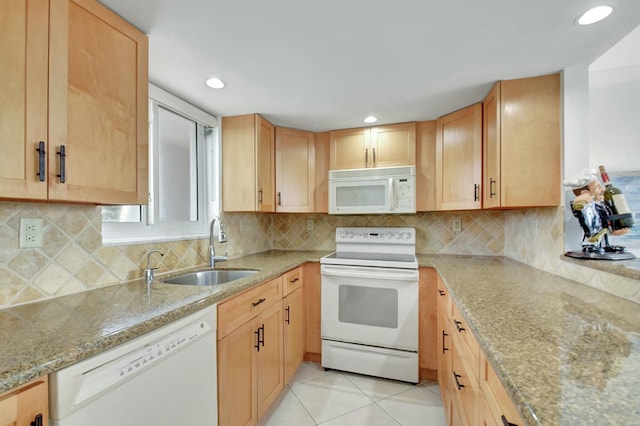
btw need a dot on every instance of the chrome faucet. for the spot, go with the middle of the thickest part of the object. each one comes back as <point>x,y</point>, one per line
<point>222,238</point>
<point>148,273</point>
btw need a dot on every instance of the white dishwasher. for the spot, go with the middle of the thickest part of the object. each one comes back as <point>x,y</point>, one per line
<point>164,377</point>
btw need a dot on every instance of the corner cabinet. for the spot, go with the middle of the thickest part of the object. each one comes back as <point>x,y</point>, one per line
<point>522,143</point>
<point>380,146</point>
<point>295,170</point>
<point>459,160</point>
<point>248,161</point>
<point>250,353</point>
<point>75,126</point>
<point>26,405</point>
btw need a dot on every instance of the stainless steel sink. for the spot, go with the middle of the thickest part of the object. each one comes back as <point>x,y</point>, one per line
<point>209,277</point>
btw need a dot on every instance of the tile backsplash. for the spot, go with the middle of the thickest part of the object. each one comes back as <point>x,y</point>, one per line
<point>73,258</point>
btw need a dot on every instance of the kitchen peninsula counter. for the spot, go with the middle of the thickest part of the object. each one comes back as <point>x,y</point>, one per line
<point>567,353</point>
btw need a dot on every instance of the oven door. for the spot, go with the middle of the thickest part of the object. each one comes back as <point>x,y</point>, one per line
<point>370,305</point>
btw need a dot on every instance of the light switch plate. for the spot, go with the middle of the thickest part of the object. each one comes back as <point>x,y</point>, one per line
<point>30,232</point>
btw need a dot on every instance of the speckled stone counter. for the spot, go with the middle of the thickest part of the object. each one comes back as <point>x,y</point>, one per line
<point>567,353</point>
<point>39,338</point>
<point>625,268</point>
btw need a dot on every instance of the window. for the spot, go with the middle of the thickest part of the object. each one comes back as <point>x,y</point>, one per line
<point>183,177</point>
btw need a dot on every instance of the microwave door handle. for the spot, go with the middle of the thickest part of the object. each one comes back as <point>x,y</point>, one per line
<point>392,203</point>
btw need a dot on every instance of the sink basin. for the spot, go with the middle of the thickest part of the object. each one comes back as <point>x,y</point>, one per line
<point>209,277</point>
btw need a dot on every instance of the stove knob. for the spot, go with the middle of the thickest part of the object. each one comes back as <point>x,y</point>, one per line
<point>350,235</point>
<point>398,235</point>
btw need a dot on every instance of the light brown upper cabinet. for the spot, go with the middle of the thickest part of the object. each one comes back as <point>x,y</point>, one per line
<point>321,142</point>
<point>425,166</point>
<point>248,177</point>
<point>381,146</point>
<point>459,159</point>
<point>74,125</point>
<point>522,143</point>
<point>295,170</point>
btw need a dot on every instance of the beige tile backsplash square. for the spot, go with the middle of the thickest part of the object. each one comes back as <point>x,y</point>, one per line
<point>73,258</point>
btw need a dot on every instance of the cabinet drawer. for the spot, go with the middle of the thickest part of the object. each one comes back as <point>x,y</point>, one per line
<point>241,308</point>
<point>291,281</point>
<point>496,397</point>
<point>461,331</point>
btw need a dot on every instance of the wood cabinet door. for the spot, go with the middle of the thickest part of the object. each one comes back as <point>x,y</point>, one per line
<point>237,377</point>
<point>393,145</point>
<point>295,170</point>
<point>530,142</point>
<point>293,333</point>
<point>459,159</point>
<point>425,165</point>
<point>98,105</point>
<point>311,300</point>
<point>321,193</point>
<point>24,48</point>
<point>239,179</point>
<point>491,148</point>
<point>21,406</point>
<point>428,324</point>
<point>349,149</point>
<point>269,357</point>
<point>265,149</point>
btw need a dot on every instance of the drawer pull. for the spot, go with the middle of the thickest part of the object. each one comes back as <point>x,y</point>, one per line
<point>458,326</point>
<point>505,422</point>
<point>442,293</point>
<point>294,280</point>
<point>458,384</point>
<point>444,348</point>
<point>258,302</point>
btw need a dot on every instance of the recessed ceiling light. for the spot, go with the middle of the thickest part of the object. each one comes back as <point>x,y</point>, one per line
<point>215,83</point>
<point>594,15</point>
<point>370,119</point>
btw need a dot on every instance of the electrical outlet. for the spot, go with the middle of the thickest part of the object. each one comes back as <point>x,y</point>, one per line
<point>310,225</point>
<point>30,232</point>
<point>456,225</point>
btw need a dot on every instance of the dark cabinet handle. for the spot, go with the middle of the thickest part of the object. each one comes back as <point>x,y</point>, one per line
<point>444,348</point>
<point>258,302</point>
<point>505,422</point>
<point>374,156</point>
<point>458,384</point>
<point>366,156</point>
<point>288,320</point>
<point>260,196</point>
<point>261,330</point>
<point>63,158</point>
<point>279,198</point>
<point>38,420</point>
<point>458,326</point>
<point>491,184</point>
<point>442,293</point>
<point>41,153</point>
<point>257,345</point>
<point>476,192</point>
<point>294,280</point>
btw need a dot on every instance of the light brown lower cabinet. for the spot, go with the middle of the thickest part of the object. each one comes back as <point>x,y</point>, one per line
<point>472,394</point>
<point>21,406</point>
<point>250,353</point>
<point>293,322</point>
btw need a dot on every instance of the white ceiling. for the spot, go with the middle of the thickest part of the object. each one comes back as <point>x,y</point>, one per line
<point>321,65</point>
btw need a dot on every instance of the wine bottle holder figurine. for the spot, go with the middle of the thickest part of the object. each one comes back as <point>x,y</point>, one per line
<point>598,217</point>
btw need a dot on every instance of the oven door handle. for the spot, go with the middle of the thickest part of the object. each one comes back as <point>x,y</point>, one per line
<point>377,274</point>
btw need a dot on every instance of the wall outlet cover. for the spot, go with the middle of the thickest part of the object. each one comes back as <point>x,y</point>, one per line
<point>30,232</point>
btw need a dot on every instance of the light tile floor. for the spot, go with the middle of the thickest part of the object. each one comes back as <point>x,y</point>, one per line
<point>330,398</point>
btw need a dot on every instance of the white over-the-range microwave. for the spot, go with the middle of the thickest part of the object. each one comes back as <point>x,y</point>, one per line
<point>373,190</point>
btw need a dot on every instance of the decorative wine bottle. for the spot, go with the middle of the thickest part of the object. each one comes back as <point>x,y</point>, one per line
<point>621,216</point>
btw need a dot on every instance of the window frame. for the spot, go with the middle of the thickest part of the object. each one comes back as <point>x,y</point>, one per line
<point>150,229</point>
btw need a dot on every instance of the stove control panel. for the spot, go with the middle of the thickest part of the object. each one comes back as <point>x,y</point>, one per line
<point>376,235</point>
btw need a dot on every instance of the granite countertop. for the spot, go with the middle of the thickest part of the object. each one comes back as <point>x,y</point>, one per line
<point>567,353</point>
<point>40,338</point>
